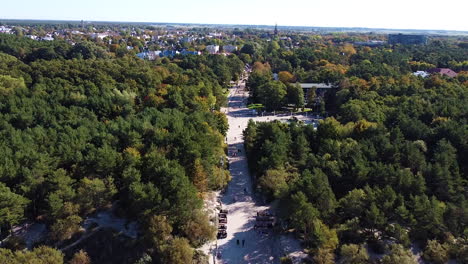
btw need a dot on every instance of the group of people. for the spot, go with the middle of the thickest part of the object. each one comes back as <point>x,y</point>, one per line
<point>234,153</point>
<point>243,242</point>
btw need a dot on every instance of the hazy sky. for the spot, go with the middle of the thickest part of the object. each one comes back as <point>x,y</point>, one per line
<point>400,14</point>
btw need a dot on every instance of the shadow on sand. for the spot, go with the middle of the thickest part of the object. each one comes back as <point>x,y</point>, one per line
<point>256,248</point>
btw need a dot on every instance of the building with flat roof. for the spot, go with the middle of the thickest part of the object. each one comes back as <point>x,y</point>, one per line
<point>316,85</point>
<point>320,90</point>
<point>407,39</point>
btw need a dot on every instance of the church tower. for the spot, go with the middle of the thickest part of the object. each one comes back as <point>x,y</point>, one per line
<point>276,29</point>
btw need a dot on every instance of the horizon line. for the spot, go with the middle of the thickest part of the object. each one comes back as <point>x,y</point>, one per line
<point>220,24</point>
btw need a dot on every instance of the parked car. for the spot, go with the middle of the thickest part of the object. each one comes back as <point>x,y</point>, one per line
<point>222,234</point>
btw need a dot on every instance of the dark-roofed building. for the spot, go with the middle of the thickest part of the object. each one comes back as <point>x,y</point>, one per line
<point>406,39</point>
<point>371,43</point>
<point>443,71</point>
<point>320,89</point>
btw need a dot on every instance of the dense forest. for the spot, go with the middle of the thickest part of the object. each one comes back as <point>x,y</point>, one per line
<point>82,128</point>
<point>87,127</point>
<point>388,169</point>
<point>357,68</point>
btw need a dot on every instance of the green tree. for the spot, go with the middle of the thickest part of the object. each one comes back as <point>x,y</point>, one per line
<point>12,207</point>
<point>302,212</point>
<point>311,96</point>
<point>248,49</point>
<point>436,252</point>
<point>374,218</point>
<point>319,191</point>
<point>273,183</point>
<point>159,232</point>
<point>321,236</point>
<point>145,259</point>
<point>179,252</point>
<point>353,204</point>
<point>285,77</point>
<point>8,85</point>
<point>295,95</point>
<point>65,228</point>
<point>300,149</point>
<point>428,215</point>
<point>39,255</point>
<point>353,254</point>
<point>198,229</point>
<point>95,193</point>
<point>445,177</point>
<point>80,257</point>
<point>324,256</point>
<point>272,95</point>
<point>399,255</point>
<point>144,198</point>
<point>199,177</point>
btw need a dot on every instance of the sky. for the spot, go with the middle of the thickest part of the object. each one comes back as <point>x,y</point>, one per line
<point>396,14</point>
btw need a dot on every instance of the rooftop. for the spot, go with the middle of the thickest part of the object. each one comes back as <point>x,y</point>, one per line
<point>316,85</point>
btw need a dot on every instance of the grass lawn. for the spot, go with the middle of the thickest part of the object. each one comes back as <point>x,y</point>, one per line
<point>255,106</point>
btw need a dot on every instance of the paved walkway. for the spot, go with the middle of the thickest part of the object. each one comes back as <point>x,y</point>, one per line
<point>238,199</point>
<point>244,244</point>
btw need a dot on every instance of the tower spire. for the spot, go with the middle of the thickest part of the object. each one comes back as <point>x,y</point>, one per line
<point>276,29</point>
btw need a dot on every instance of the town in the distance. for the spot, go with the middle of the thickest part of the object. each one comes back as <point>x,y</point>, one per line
<point>142,143</point>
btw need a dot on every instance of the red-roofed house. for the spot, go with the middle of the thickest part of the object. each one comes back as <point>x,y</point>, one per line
<point>443,71</point>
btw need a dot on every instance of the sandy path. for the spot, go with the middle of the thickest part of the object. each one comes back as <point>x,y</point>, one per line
<point>240,201</point>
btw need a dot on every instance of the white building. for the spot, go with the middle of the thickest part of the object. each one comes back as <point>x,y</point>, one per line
<point>4,29</point>
<point>33,37</point>
<point>423,74</point>
<point>212,49</point>
<point>99,35</point>
<point>48,38</point>
<point>149,55</point>
<point>215,34</point>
